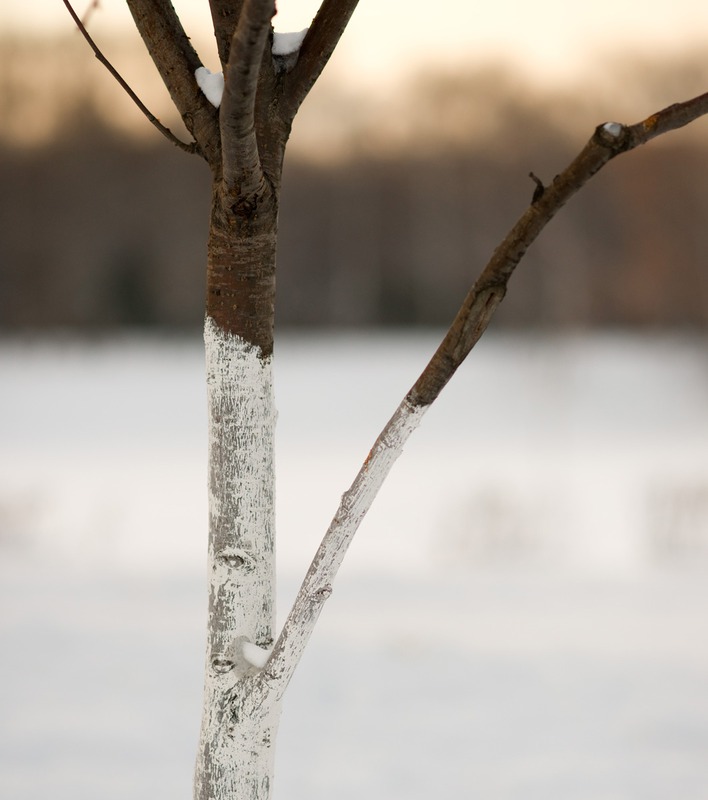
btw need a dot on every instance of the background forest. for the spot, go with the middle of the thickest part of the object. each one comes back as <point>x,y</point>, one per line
<point>101,222</point>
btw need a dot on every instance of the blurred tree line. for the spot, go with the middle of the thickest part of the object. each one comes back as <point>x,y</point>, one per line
<point>384,221</point>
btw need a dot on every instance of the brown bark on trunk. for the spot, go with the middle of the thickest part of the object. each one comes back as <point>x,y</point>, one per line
<point>240,295</point>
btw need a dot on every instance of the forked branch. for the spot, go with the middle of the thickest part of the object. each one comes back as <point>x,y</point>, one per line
<point>608,141</point>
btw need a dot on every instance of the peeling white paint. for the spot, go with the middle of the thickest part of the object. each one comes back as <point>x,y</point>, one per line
<point>355,503</point>
<point>244,686</point>
<point>241,486</point>
<point>360,496</point>
<point>240,716</point>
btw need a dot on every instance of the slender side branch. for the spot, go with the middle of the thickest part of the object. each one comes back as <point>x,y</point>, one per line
<point>322,38</point>
<point>242,171</point>
<point>608,140</point>
<point>668,119</point>
<point>317,586</point>
<point>188,147</point>
<point>176,61</point>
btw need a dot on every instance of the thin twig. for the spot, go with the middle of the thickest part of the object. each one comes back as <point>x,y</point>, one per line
<point>190,147</point>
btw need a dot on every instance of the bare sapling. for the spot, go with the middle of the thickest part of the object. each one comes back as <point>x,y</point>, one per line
<point>239,121</point>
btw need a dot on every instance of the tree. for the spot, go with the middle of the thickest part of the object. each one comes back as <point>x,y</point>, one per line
<point>240,125</point>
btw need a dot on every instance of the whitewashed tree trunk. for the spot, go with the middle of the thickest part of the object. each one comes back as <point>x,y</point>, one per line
<point>235,759</point>
<point>243,694</point>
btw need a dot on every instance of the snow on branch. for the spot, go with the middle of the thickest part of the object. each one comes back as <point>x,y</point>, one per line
<point>211,83</point>
<point>287,44</point>
<point>286,49</point>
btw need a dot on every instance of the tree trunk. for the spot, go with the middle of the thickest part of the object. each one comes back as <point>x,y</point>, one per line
<point>240,717</point>
<point>241,133</point>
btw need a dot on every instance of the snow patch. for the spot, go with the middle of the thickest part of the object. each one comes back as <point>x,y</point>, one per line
<point>613,129</point>
<point>211,84</point>
<point>285,44</point>
<point>255,655</point>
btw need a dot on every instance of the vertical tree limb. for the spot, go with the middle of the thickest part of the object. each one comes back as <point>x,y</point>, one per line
<point>225,15</point>
<point>242,172</point>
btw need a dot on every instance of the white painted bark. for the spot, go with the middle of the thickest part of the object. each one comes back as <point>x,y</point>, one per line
<point>240,715</point>
<point>355,503</point>
<point>242,700</point>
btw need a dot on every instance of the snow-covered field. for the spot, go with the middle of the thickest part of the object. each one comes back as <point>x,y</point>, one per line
<point>524,613</point>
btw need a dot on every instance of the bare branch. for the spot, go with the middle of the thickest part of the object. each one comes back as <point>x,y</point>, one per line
<point>176,61</point>
<point>166,132</point>
<point>225,15</point>
<point>242,170</point>
<point>317,586</point>
<point>668,119</point>
<point>322,38</point>
<point>609,140</point>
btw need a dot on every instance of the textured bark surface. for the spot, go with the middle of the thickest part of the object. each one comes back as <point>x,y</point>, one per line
<point>239,723</point>
<point>355,504</point>
<point>240,294</point>
<point>176,60</point>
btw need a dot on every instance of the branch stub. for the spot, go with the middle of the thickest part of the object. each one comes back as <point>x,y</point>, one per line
<point>612,135</point>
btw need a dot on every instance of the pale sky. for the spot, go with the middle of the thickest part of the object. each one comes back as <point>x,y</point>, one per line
<point>550,38</point>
